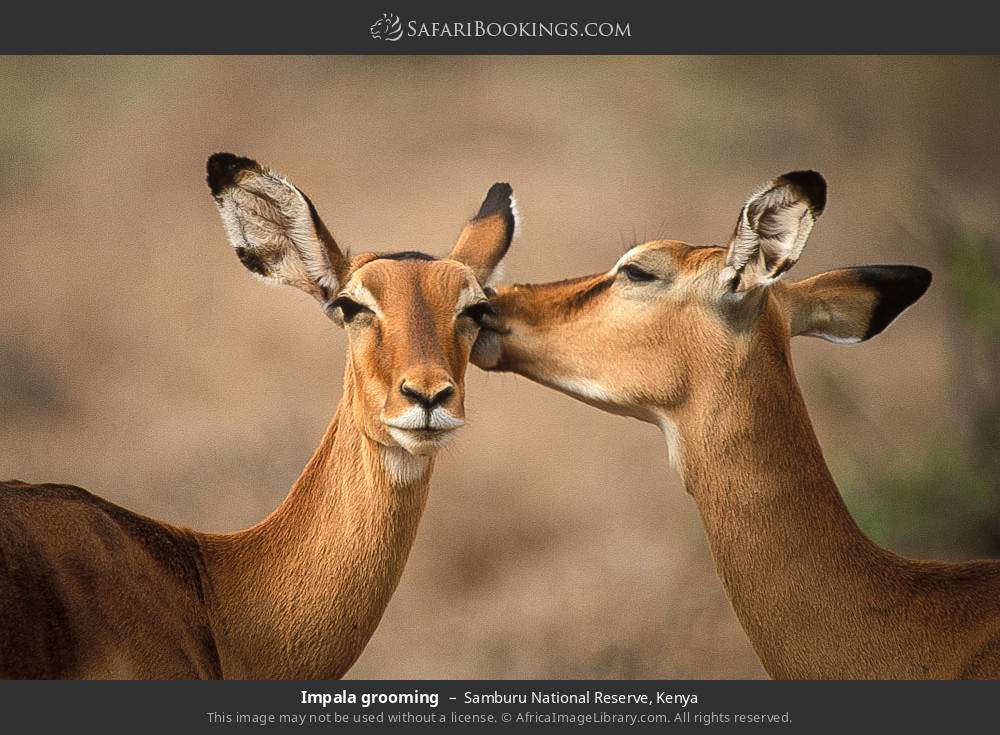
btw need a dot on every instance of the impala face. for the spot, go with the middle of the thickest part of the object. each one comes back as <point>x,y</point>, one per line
<point>670,321</point>
<point>411,319</point>
<point>603,338</point>
<point>411,322</point>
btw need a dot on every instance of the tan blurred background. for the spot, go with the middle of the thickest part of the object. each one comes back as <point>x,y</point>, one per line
<point>140,360</point>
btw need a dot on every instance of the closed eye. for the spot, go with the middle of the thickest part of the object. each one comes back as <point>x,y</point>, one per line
<point>478,311</point>
<point>636,274</point>
<point>349,307</point>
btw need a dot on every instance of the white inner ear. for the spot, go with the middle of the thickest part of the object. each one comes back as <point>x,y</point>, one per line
<point>782,227</point>
<point>772,231</point>
<point>270,218</point>
<point>310,246</point>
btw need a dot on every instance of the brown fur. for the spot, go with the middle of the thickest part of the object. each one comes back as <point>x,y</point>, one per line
<point>90,589</point>
<point>713,368</point>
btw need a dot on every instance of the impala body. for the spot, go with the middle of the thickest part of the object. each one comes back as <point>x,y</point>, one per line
<point>89,589</point>
<point>697,341</point>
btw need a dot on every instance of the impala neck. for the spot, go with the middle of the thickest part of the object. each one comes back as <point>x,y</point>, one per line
<point>300,594</point>
<point>793,562</point>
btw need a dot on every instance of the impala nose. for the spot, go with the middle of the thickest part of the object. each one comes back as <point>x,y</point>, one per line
<point>429,398</point>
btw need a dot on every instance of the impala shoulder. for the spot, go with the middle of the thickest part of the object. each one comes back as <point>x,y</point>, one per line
<point>72,512</point>
<point>44,496</point>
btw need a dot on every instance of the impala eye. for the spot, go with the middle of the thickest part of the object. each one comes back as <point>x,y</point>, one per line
<point>636,274</point>
<point>349,307</point>
<point>478,311</point>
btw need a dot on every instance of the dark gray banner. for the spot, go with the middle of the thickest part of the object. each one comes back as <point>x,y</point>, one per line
<point>509,27</point>
<point>553,706</point>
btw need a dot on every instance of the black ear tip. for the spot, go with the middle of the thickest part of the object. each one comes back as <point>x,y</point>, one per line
<point>813,185</point>
<point>898,287</point>
<point>921,278</point>
<point>498,199</point>
<point>500,188</point>
<point>222,169</point>
<point>908,282</point>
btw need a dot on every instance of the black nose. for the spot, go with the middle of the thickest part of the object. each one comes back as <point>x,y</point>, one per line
<point>430,402</point>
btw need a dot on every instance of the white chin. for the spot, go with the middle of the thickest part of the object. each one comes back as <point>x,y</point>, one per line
<point>420,443</point>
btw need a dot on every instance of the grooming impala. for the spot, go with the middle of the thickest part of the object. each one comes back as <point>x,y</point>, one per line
<point>696,340</point>
<point>88,589</point>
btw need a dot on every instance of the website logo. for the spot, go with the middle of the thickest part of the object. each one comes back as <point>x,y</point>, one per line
<point>390,28</point>
<point>387,28</point>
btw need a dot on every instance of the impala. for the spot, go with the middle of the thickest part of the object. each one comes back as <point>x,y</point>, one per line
<point>696,341</point>
<point>89,589</point>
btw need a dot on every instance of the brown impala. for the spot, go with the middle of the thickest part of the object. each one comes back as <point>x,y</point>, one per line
<point>88,589</point>
<point>696,341</point>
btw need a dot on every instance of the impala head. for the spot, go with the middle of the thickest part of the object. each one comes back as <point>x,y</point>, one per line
<point>669,320</point>
<point>411,319</point>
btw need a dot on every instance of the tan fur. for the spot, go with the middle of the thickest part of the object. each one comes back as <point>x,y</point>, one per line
<point>828,305</point>
<point>474,246</point>
<point>709,359</point>
<point>91,590</point>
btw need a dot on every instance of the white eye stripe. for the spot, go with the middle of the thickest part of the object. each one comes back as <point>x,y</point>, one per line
<point>467,298</point>
<point>625,258</point>
<point>364,297</point>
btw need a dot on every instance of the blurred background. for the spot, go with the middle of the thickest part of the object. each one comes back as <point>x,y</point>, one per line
<point>140,360</point>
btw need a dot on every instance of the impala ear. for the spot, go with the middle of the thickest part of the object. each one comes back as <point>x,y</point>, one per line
<point>772,230</point>
<point>852,304</point>
<point>484,242</point>
<point>274,228</point>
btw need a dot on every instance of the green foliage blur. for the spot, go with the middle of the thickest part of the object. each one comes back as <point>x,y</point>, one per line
<point>946,503</point>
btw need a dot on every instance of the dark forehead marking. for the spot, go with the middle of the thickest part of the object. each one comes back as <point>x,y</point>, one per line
<point>405,255</point>
<point>555,284</point>
<point>582,297</point>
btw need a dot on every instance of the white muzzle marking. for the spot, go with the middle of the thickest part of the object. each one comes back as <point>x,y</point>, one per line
<point>416,418</point>
<point>420,432</point>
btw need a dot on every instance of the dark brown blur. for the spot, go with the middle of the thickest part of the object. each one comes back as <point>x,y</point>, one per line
<point>140,360</point>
